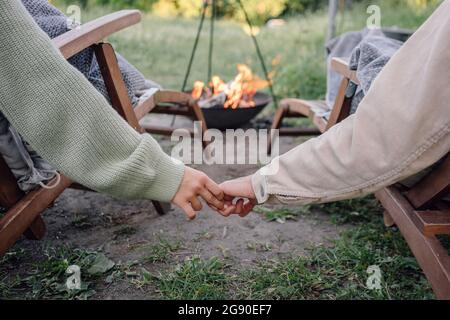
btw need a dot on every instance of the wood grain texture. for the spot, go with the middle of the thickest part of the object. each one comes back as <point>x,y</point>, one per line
<point>95,31</point>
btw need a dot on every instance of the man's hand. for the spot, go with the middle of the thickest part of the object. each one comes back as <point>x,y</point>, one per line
<point>196,184</point>
<point>238,189</point>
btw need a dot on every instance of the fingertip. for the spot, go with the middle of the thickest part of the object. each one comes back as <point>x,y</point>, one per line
<point>221,206</point>
<point>190,213</point>
<point>191,217</point>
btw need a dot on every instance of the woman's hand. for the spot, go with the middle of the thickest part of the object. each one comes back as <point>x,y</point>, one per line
<point>238,189</point>
<point>195,185</point>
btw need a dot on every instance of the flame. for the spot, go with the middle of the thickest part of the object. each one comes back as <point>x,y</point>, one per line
<point>240,92</point>
<point>197,92</point>
<point>217,85</point>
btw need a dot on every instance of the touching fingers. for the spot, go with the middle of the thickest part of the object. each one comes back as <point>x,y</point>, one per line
<point>227,211</point>
<point>196,204</point>
<point>211,199</point>
<point>239,206</point>
<point>248,207</point>
<point>189,211</point>
<point>214,189</point>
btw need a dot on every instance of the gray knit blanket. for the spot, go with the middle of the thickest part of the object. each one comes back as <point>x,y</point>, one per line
<point>368,51</point>
<point>27,166</point>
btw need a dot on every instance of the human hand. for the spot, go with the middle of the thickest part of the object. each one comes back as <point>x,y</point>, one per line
<point>242,190</point>
<point>196,184</point>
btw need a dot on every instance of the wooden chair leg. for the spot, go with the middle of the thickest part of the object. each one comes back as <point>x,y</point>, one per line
<point>159,208</point>
<point>276,124</point>
<point>37,230</point>
<point>198,116</point>
<point>388,221</point>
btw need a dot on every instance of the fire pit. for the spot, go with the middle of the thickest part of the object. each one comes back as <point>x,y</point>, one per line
<point>218,117</point>
<point>233,104</point>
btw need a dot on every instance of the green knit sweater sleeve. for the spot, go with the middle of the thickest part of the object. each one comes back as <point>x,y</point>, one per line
<point>69,123</point>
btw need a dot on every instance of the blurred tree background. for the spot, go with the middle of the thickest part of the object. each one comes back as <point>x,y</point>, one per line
<point>293,49</point>
<point>259,10</point>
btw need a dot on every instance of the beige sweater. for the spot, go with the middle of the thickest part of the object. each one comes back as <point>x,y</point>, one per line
<point>401,128</point>
<point>69,123</point>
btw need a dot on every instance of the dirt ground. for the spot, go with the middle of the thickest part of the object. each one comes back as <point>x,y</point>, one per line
<point>122,228</point>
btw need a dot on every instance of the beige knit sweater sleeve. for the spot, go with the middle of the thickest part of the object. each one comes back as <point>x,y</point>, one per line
<point>400,128</point>
<point>69,123</point>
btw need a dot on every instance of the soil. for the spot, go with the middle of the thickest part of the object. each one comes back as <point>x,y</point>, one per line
<point>122,228</point>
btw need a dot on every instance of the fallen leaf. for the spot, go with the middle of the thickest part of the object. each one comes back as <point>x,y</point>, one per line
<point>101,265</point>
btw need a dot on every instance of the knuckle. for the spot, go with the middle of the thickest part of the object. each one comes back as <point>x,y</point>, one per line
<point>203,178</point>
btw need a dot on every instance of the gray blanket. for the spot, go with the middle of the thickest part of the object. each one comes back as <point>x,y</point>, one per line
<point>27,166</point>
<point>368,59</point>
<point>368,52</point>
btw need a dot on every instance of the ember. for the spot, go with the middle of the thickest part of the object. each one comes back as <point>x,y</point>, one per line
<point>238,93</point>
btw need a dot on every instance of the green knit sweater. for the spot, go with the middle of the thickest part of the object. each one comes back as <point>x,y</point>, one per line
<point>69,123</point>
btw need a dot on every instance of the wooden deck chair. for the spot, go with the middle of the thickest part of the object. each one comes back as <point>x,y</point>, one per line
<point>420,212</point>
<point>294,108</point>
<point>23,215</point>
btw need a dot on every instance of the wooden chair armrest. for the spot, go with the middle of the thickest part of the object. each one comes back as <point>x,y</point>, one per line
<point>90,33</point>
<point>163,96</point>
<point>342,67</point>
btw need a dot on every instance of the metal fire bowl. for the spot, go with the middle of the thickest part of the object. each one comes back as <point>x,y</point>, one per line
<point>218,117</point>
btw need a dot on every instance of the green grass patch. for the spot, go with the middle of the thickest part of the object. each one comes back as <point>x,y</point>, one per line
<point>195,279</point>
<point>281,214</point>
<point>46,278</point>
<point>340,271</point>
<point>336,271</point>
<point>124,232</point>
<point>162,251</point>
<point>355,211</point>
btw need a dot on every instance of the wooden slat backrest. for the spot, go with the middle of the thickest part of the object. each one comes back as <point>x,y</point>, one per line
<point>341,66</point>
<point>343,103</point>
<point>115,84</point>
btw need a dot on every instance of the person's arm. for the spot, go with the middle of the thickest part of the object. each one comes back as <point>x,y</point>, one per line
<point>401,128</point>
<point>73,127</point>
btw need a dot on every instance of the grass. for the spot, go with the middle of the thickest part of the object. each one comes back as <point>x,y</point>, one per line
<point>280,215</point>
<point>195,279</point>
<point>338,271</point>
<point>162,251</point>
<point>46,278</point>
<point>335,271</point>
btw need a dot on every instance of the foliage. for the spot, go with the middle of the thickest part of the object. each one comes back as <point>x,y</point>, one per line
<point>259,10</point>
<point>422,4</point>
<point>46,278</point>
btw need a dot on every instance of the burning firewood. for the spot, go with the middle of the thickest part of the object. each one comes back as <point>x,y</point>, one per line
<point>238,93</point>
